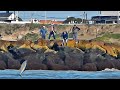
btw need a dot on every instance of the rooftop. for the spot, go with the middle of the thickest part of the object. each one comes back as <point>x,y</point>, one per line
<point>5,14</point>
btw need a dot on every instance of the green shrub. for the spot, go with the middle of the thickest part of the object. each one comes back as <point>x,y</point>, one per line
<point>32,37</point>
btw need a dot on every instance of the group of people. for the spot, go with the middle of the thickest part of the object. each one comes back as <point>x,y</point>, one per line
<point>64,34</point>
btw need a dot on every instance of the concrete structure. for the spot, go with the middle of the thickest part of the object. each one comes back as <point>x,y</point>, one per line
<point>7,17</point>
<point>107,17</point>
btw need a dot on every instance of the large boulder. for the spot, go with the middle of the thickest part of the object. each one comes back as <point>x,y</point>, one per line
<point>5,57</point>
<point>10,62</point>
<point>35,61</point>
<point>53,61</point>
<point>13,64</point>
<point>89,67</point>
<point>74,59</point>
<point>91,55</point>
<point>116,63</point>
<point>2,65</point>
<point>23,52</point>
<point>102,64</point>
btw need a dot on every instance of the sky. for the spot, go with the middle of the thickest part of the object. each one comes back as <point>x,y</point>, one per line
<point>57,15</point>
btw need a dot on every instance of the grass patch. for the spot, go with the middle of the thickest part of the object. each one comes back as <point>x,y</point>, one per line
<point>108,36</point>
<point>32,37</point>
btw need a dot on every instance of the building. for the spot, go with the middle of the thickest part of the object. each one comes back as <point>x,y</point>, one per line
<point>107,17</point>
<point>50,22</point>
<point>7,17</point>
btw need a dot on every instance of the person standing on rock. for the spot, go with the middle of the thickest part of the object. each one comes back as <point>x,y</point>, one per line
<point>75,30</point>
<point>64,36</point>
<point>43,32</point>
<point>52,31</point>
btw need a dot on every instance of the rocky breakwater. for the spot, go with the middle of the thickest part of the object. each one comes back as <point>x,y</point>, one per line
<point>50,55</point>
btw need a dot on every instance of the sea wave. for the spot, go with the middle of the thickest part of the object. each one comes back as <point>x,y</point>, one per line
<point>112,69</point>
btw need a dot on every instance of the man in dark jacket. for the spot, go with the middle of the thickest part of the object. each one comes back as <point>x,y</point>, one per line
<point>75,30</point>
<point>52,31</point>
<point>64,37</point>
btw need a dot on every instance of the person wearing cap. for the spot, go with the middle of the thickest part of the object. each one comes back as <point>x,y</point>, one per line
<point>52,31</point>
<point>43,32</point>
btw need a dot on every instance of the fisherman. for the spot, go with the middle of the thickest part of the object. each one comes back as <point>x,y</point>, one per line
<point>43,32</point>
<point>64,36</point>
<point>75,30</point>
<point>52,31</point>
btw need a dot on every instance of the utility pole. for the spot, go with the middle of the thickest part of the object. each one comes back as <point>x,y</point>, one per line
<point>17,16</point>
<point>45,17</point>
<point>14,16</point>
<point>84,17</point>
<point>118,18</point>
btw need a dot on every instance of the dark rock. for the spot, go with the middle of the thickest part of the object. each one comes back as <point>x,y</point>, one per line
<point>5,57</point>
<point>53,58</point>
<point>33,65</point>
<point>116,64</point>
<point>53,61</point>
<point>13,64</point>
<point>35,61</point>
<point>89,67</point>
<point>57,67</point>
<point>102,64</point>
<point>92,56</point>
<point>19,53</point>
<point>2,65</point>
<point>74,59</point>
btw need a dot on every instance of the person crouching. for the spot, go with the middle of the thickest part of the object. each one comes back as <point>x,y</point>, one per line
<point>64,36</point>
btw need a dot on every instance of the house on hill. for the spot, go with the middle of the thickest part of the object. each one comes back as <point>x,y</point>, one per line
<point>50,22</point>
<point>8,17</point>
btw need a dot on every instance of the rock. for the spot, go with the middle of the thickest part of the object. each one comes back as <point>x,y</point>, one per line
<point>74,59</point>
<point>116,64</point>
<point>5,57</point>
<point>102,64</point>
<point>24,51</point>
<point>89,67</point>
<point>33,65</point>
<point>53,61</point>
<point>13,64</point>
<point>35,61</point>
<point>92,55</point>
<point>57,67</point>
<point>2,65</point>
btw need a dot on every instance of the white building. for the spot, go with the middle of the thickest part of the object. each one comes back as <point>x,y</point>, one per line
<point>7,17</point>
<point>107,17</point>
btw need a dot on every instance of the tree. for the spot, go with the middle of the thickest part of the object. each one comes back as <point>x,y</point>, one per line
<point>73,19</point>
<point>78,20</point>
<point>69,19</point>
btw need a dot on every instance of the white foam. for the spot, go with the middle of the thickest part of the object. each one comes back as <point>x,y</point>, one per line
<point>108,69</point>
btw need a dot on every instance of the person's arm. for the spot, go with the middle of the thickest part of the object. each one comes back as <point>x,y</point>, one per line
<point>41,31</point>
<point>78,28</point>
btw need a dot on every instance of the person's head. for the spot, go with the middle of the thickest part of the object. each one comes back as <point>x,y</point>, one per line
<point>74,25</point>
<point>66,32</point>
<point>44,27</point>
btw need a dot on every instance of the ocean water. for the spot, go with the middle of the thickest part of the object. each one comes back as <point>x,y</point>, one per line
<point>51,74</point>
